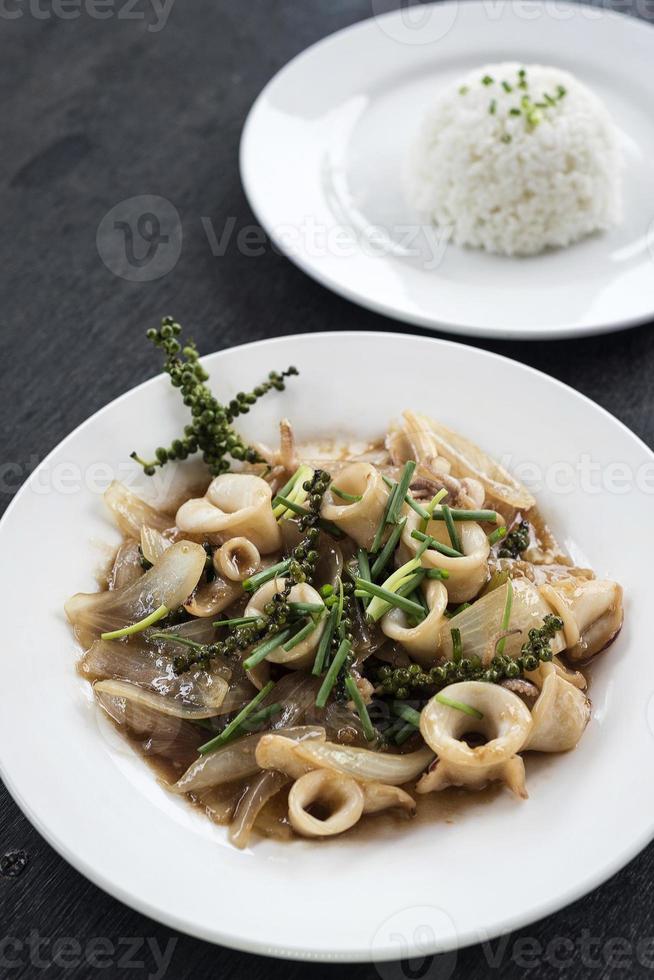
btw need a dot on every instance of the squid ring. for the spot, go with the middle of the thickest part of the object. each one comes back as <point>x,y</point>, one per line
<point>359,519</point>
<point>421,642</point>
<point>466,574</point>
<point>237,559</point>
<point>497,714</point>
<point>235,504</point>
<point>303,653</point>
<point>340,795</point>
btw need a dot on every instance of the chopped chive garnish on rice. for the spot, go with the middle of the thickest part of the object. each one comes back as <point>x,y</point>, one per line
<point>487,80</point>
<point>515,111</point>
<point>493,107</point>
<point>464,90</point>
<point>506,138</point>
<point>507,87</point>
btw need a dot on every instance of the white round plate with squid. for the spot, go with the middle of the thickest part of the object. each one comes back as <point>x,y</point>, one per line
<point>425,886</point>
<point>324,152</point>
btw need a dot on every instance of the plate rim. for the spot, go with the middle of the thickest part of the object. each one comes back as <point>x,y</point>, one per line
<point>466,936</point>
<point>565,331</point>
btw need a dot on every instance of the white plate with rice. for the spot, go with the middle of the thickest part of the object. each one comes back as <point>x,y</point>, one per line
<point>482,169</point>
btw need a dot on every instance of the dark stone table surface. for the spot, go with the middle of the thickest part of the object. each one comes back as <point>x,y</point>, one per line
<point>104,101</point>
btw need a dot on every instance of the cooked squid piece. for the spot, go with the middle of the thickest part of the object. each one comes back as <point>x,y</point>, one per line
<point>466,574</point>
<point>169,583</point>
<point>559,716</point>
<point>237,559</point>
<point>235,505</point>
<point>303,653</point>
<point>360,519</point>
<point>421,642</point>
<point>339,799</point>
<point>591,611</point>
<point>493,712</point>
<point>378,797</point>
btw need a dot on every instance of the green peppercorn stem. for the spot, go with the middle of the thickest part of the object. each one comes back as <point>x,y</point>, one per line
<point>210,431</point>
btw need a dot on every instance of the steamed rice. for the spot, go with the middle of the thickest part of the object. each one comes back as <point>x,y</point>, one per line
<point>517,167</point>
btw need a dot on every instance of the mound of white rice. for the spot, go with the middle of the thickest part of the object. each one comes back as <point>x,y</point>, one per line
<point>515,159</point>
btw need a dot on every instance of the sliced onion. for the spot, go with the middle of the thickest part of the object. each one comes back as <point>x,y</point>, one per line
<point>200,630</point>
<point>258,793</point>
<point>127,566</point>
<point>171,739</point>
<point>378,767</point>
<point>153,544</point>
<point>157,702</point>
<point>153,669</point>
<point>481,621</point>
<point>169,583</point>
<point>467,459</point>
<point>234,761</point>
<point>131,513</point>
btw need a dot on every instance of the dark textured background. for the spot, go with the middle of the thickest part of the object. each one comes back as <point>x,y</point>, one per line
<point>96,111</point>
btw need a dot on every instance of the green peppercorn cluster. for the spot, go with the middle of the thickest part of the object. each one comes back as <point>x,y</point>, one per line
<point>277,613</point>
<point>210,431</point>
<point>400,682</point>
<point>515,542</point>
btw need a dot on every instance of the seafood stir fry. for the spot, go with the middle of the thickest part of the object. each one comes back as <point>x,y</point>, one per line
<point>321,633</point>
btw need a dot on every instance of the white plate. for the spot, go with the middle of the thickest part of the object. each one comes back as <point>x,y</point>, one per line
<point>427,886</point>
<point>323,149</point>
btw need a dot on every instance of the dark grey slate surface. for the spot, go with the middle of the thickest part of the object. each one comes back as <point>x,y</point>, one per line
<point>96,111</point>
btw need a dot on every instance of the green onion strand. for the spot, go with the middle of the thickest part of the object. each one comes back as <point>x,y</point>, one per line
<point>236,722</point>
